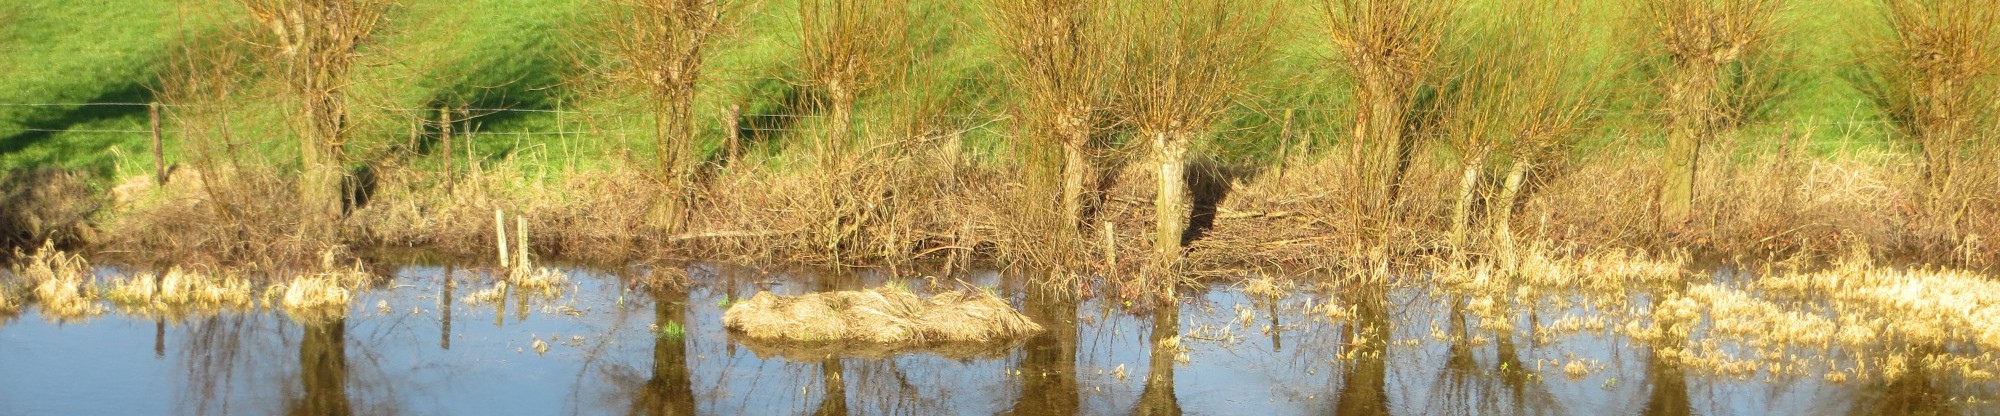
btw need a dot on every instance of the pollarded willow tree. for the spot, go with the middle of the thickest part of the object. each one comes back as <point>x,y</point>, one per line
<point>1183,64</point>
<point>315,46</point>
<point>661,46</point>
<point>1057,54</point>
<point>1391,50</point>
<point>1522,99</point>
<point>1711,49</point>
<point>847,47</point>
<point>1936,76</point>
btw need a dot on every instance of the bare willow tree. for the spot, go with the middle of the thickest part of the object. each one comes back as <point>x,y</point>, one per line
<point>1183,65</point>
<point>1524,97</point>
<point>1936,77</point>
<point>1391,50</point>
<point>1057,49</point>
<point>1709,82</point>
<point>661,46</point>
<point>316,43</point>
<point>848,47</point>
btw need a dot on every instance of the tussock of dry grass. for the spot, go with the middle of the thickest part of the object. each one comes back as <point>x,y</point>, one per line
<point>888,315</point>
<point>179,290</point>
<point>317,297</point>
<point>62,283</point>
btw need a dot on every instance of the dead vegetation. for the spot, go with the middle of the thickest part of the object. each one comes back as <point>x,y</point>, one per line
<point>62,284</point>
<point>179,292</point>
<point>888,315</point>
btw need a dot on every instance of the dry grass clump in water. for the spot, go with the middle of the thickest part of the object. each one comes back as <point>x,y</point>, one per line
<point>62,282</point>
<point>180,290</point>
<point>888,315</point>
<point>318,296</point>
<point>542,282</point>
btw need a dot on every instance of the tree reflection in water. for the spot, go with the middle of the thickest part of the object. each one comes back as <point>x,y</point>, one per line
<point>1364,390</point>
<point>1158,397</point>
<point>1048,368</point>
<point>323,370</point>
<point>670,390</point>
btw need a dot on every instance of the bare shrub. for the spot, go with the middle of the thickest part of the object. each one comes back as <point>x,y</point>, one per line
<point>662,46</point>
<point>847,48</point>
<point>314,45</point>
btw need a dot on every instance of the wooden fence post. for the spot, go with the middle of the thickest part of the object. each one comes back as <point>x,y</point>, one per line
<point>159,154</point>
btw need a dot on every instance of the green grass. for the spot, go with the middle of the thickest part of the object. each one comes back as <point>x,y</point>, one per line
<point>534,55</point>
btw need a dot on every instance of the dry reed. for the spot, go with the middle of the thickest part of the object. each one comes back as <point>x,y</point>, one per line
<point>178,290</point>
<point>320,296</point>
<point>889,315</point>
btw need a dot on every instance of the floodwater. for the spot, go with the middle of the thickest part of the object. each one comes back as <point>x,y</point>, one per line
<point>410,345</point>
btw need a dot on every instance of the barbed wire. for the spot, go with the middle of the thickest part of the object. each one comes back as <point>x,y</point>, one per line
<point>470,114</point>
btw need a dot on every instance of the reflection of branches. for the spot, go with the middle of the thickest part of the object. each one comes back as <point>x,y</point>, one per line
<point>215,346</point>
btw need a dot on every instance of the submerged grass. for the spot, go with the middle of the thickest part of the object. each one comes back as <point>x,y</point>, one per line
<point>888,315</point>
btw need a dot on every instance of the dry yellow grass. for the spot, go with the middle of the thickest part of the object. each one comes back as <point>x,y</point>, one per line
<point>889,315</point>
<point>7,303</point>
<point>179,290</point>
<point>62,283</point>
<point>319,296</point>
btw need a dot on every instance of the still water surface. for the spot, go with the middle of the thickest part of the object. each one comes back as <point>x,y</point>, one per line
<point>410,346</point>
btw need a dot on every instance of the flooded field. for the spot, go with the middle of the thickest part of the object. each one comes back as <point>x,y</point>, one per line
<point>435,340</point>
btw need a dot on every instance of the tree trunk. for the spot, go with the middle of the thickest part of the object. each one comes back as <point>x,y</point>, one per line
<point>1461,212</point>
<point>1171,207</point>
<point>1502,219</point>
<point>1379,131</point>
<point>1075,174</point>
<point>1691,110</point>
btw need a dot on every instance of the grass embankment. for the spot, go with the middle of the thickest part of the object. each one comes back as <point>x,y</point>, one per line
<point>539,117</point>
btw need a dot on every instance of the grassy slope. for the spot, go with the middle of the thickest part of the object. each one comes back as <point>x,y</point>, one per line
<point>519,54</point>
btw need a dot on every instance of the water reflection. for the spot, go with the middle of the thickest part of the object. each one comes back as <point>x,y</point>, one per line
<point>323,370</point>
<point>1158,397</point>
<point>1913,392</point>
<point>1364,390</point>
<point>1669,390</point>
<point>408,361</point>
<point>670,390</point>
<point>1048,364</point>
